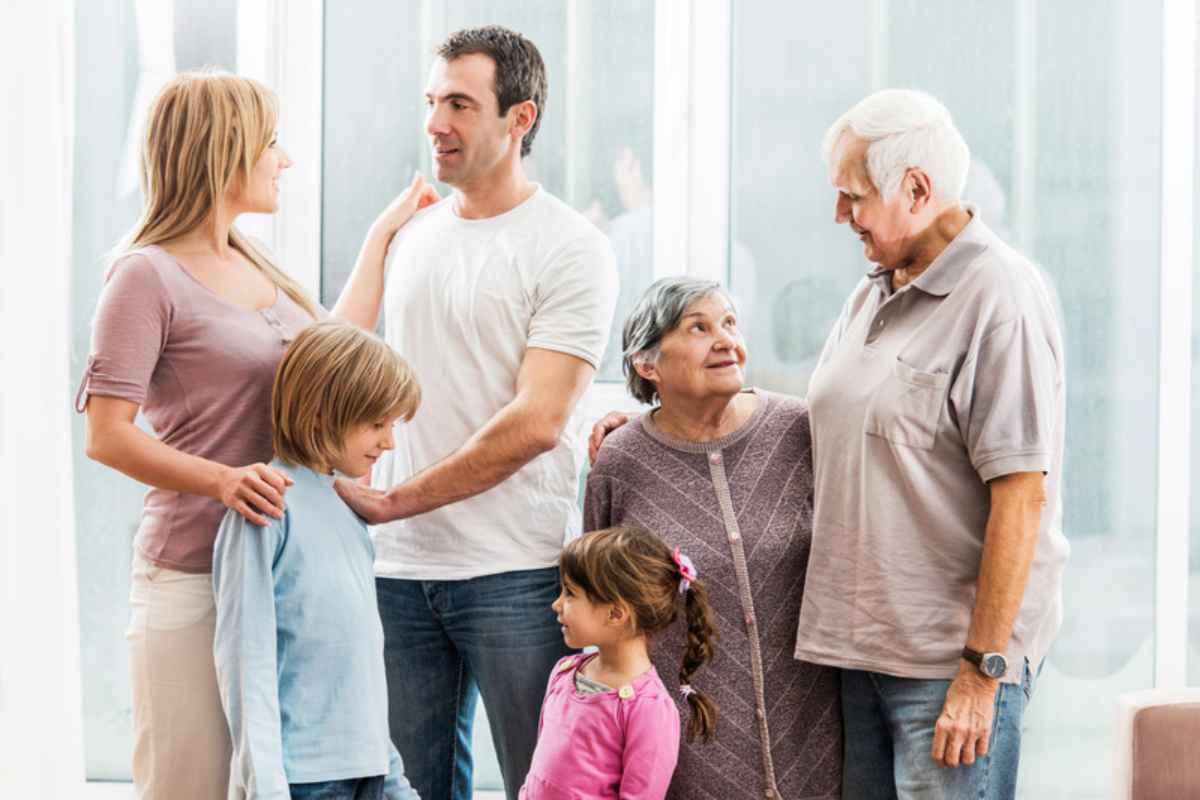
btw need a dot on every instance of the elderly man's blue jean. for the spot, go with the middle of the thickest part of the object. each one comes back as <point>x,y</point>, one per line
<point>447,642</point>
<point>889,725</point>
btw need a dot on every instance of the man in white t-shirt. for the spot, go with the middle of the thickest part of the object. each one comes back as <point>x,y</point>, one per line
<point>500,296</point>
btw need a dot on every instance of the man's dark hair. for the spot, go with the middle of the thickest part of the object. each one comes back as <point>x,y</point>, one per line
<point>520,71</point>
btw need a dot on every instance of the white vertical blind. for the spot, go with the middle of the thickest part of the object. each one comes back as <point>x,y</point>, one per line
<point>41,728</point>
<point>1175,341</point>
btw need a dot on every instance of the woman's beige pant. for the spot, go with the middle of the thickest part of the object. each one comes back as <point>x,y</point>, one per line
<point>181,745</point>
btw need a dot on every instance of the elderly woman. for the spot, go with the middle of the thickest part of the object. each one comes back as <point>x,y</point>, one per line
<point>725,474</point>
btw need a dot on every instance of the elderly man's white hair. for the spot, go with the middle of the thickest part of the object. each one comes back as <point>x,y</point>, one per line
<point>905,129</point>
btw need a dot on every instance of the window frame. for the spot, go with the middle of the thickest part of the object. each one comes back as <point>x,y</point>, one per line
<point>692,171</point>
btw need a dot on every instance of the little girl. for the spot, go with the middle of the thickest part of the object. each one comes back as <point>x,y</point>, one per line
<point>299,645</point>
<point>608,726</point>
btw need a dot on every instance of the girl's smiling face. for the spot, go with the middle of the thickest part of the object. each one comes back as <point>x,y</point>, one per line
<point>583,622</point>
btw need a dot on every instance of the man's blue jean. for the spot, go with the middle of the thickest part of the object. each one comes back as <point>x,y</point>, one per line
<point>448,642</point>
<point>353,789</point>
<point>889,725</point>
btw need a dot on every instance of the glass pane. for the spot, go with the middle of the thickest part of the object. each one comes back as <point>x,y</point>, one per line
<point>114,81</point>
<point>1062,113</point>
<point>1194,581</point>
<point>593,149</point>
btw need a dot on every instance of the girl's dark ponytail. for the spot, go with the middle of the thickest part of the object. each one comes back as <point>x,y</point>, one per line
<point>701,634</point>
<point>633,566</point>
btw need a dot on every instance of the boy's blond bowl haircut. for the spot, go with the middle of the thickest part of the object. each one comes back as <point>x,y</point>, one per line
<point>332,377</point>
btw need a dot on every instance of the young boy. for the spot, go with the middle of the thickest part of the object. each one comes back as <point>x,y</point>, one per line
<point>299,645</point>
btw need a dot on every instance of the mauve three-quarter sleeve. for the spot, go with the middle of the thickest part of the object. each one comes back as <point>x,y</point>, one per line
<point>129,332</point>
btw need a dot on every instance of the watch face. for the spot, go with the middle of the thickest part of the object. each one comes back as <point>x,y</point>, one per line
<point>994,665</point>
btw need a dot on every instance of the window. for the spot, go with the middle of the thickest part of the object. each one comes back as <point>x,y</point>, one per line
<point>1061,103</point>
<point>123,56</point>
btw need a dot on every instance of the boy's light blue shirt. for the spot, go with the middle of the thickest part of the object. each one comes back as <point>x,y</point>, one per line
<point>299,646</point>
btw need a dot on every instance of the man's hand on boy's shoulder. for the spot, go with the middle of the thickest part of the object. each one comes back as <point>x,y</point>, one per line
<point>371,504</point>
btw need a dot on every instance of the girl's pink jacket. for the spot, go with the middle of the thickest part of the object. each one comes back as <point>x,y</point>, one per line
<point>620,744</point>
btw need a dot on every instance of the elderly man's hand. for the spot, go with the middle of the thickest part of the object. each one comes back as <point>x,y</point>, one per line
<point>607,424</point>
<point>373,505</point>
<point>965,724</point>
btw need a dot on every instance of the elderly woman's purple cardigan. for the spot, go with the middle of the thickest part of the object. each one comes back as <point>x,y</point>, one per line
<point>741,508</point>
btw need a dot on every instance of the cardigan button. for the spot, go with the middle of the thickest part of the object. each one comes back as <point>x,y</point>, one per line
<point>625,693</point>
<point>714,458</point>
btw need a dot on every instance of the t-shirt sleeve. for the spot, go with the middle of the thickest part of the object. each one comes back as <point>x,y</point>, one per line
<point>244,651</point>
<point>651,749</point>
<point>576,295</point>
<point>1005,399</point>
<point>597,502</point>
<point>129,332</point>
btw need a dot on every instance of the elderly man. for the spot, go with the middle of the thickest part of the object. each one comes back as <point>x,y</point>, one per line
<point>937,418</point>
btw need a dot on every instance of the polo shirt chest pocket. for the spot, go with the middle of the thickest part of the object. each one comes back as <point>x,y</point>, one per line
<point>907,406</point>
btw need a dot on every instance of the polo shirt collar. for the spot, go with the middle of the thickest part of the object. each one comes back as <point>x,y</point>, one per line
<point>947,269</point>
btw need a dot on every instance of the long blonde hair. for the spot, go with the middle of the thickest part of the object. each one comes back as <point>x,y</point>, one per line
<point>204,133</point>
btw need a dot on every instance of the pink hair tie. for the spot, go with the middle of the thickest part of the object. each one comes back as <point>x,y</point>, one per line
<point>687,570</point>
<point>686,689</point>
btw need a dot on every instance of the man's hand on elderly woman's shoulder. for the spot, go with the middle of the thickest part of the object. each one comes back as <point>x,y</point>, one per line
<point>607,424</point>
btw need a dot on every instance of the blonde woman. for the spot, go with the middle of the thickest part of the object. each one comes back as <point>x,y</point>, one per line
<point>189,328</point>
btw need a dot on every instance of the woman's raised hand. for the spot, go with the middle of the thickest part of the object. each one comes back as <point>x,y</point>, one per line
<point>418,195</point>
<point>255,491</point>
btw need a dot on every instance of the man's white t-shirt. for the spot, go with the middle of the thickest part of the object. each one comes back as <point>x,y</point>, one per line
<point>464,300</point>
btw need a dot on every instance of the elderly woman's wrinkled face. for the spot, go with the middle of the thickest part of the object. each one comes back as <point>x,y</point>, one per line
<point>704,355</point>
<point>884,227</point>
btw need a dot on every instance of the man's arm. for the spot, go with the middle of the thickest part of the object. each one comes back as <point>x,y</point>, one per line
<point>1017,502</point>
<point>549,384</point>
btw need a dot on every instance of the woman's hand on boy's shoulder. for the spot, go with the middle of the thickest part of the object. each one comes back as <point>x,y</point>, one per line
<point>254,491</point>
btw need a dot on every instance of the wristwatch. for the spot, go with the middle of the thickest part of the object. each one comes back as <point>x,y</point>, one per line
<point>993,665</point>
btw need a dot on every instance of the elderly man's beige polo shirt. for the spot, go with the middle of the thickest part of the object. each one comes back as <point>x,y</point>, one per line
<point>921,396</point>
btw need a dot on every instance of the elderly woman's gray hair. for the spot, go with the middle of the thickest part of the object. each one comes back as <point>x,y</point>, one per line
<point>656,314</point>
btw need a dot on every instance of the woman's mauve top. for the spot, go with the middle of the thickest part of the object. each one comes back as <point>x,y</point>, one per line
<point>201,369</point>
<point>618,745</point>
<point>741,508</point>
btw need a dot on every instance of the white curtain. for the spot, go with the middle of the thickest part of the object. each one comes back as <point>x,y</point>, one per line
<point>41,753</point>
